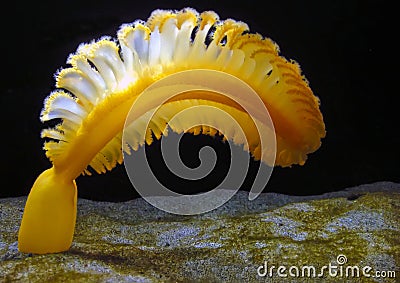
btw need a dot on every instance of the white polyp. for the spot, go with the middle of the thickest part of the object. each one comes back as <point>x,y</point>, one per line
<point>79,86</point>
<point>138,43</point>
<point>261,71</point>
<point>62,114</point>
<point>182,45</point>
<point>247,68</point>
<point>112,59</point>
<point>198,47</point>
<point>154,47</point>
<point>106,72</point>
<point>168,41</point>
<point>128,58</point>
<point>202,34</point>
<point>67,103</point>
<point>236,60</point>
<point>223,57</point>
<point>213,51</point>
<point>93,75</point>
<point>52,134</point>
<point>129,51</point>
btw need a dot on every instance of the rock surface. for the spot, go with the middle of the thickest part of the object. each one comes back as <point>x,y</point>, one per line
<point>134,242</point>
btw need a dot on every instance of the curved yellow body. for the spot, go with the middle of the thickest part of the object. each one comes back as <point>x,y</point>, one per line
<point>95,95</point>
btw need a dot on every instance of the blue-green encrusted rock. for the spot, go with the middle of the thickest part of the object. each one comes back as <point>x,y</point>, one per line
<point>134,242</point>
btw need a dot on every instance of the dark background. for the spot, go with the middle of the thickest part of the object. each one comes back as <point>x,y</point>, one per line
<point>343,48</point>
